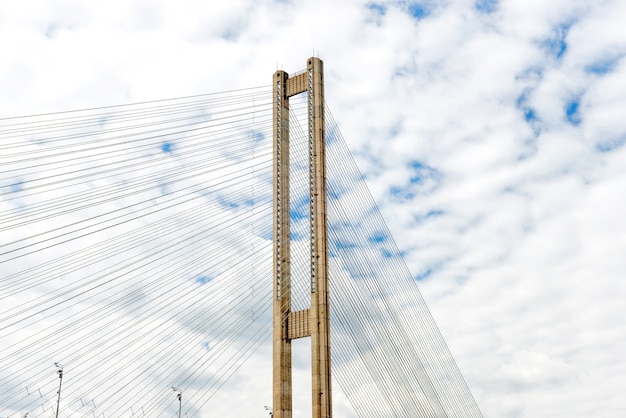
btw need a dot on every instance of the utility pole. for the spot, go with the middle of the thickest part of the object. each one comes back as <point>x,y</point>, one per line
<point>179,395</point>
<point>315,321</point>
<point>60,373</point>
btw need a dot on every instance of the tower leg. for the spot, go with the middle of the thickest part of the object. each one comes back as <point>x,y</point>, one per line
<point>320,313</point>
<point>282,391</point>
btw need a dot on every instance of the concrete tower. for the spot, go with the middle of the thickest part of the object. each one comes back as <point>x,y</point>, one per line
<point>315,321</point>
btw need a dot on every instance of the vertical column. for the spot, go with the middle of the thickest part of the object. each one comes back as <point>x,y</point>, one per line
<point>282,400</point>
<point>320,314</point>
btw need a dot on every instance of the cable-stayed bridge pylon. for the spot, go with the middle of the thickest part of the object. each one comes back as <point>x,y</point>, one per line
<point>137,247</point>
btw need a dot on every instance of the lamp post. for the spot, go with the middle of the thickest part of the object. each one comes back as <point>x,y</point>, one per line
<point>60,373</point>
<point>179,395</point>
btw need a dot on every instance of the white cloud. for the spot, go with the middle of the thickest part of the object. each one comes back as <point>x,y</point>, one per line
<point>525,240</point>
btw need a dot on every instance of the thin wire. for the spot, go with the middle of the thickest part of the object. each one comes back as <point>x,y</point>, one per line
<point>135,104</point>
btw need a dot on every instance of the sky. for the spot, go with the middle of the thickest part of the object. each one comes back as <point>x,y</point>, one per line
<point>491,134</point>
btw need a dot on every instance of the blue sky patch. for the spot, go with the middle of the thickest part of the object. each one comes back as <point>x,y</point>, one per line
<point>167,147</point>
<point>332,192</point>
<point>424,179</point>
<point>530,115</point>
<point>433,213</point>
<point>401,193</point>
<point>18,186</point>
<point>530,146</point>
<point>609,146</point>
<point>300,209</point>
<point>206,345</point>
<point>417,165</point>
<point>332,134</point>
<point>227,204</point>
<point>377,8</point>
<point>295,235</point>
<point>486,6</point>
<point>377,238</point>
<point>204,279</point>
<point>296,215</point>
<point>417,10</point>
<point>423,275</point>
<point>422,172</point>
<point>404,70</point>
<point>572,111</point>
<point>388,254</point>
<point>557,46</point>
<point>601,67</point>
<point>343,245</point>
<point>266,233</point>
<point>258,136</point>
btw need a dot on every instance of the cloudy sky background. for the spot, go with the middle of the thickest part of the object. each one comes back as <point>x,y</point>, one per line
<point>490,133</point>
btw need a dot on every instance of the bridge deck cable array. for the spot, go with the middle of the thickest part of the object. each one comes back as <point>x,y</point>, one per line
<point>136,246</point>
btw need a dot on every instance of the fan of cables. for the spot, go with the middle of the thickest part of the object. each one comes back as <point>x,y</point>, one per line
<point>135,252</point>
